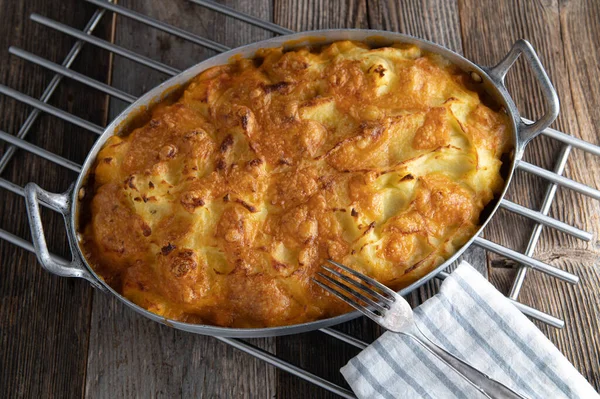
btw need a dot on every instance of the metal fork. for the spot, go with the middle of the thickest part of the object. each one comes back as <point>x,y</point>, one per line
<point>393,312</point>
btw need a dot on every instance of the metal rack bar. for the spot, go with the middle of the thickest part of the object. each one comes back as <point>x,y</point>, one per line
<point>57,159</point>
<point>243,17</point>
<point>558,179</point>
<point>18,241</point>
<point>345,337</point>
<point>546,220</point>
<point>526,260</point>
<point>149,62</point>
<point>160,25</point>
<point>537,230</point>
<point>538,314</point>
<point>12,187</point>
<point>47,94</point>
<point>64,71</point>
<point>568,139</point>
<point>59,113</point>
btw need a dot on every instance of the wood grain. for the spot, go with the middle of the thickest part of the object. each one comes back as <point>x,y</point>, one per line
<point>563,34</point>
<point>44,319</point>
<point>580,28</point>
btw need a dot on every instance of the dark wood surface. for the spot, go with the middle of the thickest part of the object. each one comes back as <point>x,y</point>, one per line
<point>59,338</point>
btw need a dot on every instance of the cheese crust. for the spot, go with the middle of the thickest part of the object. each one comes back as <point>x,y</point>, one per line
<point>224,205</point>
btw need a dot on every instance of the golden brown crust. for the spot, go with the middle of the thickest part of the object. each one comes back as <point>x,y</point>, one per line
<point>222,207</point>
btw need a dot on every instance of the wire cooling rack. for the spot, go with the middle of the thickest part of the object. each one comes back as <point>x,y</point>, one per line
<point>40,105</point>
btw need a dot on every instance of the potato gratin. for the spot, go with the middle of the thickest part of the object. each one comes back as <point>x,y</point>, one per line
<point>222,207</point>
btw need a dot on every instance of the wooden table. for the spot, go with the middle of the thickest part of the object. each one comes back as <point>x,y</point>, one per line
<point>60,338</point>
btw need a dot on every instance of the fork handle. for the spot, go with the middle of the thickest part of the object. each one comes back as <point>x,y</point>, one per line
<point>481,381</point>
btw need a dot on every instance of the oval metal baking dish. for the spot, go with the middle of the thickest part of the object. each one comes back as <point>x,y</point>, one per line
<point>67,203</point>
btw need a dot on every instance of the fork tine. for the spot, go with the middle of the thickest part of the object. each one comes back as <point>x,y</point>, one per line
<point>365,278</point>
<point>350,301</point>
<point>357,284</point>
<point>357,294</point>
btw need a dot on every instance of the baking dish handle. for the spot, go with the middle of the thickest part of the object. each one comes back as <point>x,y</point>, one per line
<point>498,73</point>
<point>34,194</point>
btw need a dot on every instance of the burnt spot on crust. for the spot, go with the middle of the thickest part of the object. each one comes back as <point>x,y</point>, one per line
<point>167,249</point>
<point>327,182</point>
<point>226,197</point>
<point>245,117</point>
<point>407,177</point>
<point>167,152</point>
<point>378,69</point>
<point>138,199</point>
<point>354,213</point>
<point>258,61</point>
<point>255,162</point>
<point>190,202</point>
<point>278,87</point>
<point>129,182</point>
<point>312,102</point>
<point>280,266</point>
<point>220,164</point>
<point>284,161</point>
<point>246,205</point>
<point>370,227</point>
<point>245,121</point>
<point>373,130</point>
<point>141,286</point>
<point>146,230</point>
<point>226,144</point>
<point>182,263</point>
<point>194,133</point>
<point>107,160</point>
<point>151,185</point>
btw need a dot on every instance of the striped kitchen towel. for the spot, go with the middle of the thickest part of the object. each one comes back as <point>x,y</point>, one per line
<point>470,318</point>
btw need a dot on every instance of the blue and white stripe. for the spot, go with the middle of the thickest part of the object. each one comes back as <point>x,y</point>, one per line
<point>470,318</point>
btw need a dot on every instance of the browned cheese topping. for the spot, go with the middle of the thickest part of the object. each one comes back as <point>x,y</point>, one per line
<point>223,206</point>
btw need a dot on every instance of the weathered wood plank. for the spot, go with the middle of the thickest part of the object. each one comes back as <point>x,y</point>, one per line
<point>437,21</point>
<point>130,356</point>
<point>564,37</point>
<point>580,29</point>
<point>44,320</point>
<point>302,15</point>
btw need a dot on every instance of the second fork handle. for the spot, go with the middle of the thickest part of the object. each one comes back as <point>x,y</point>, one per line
<point>484,383</point>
